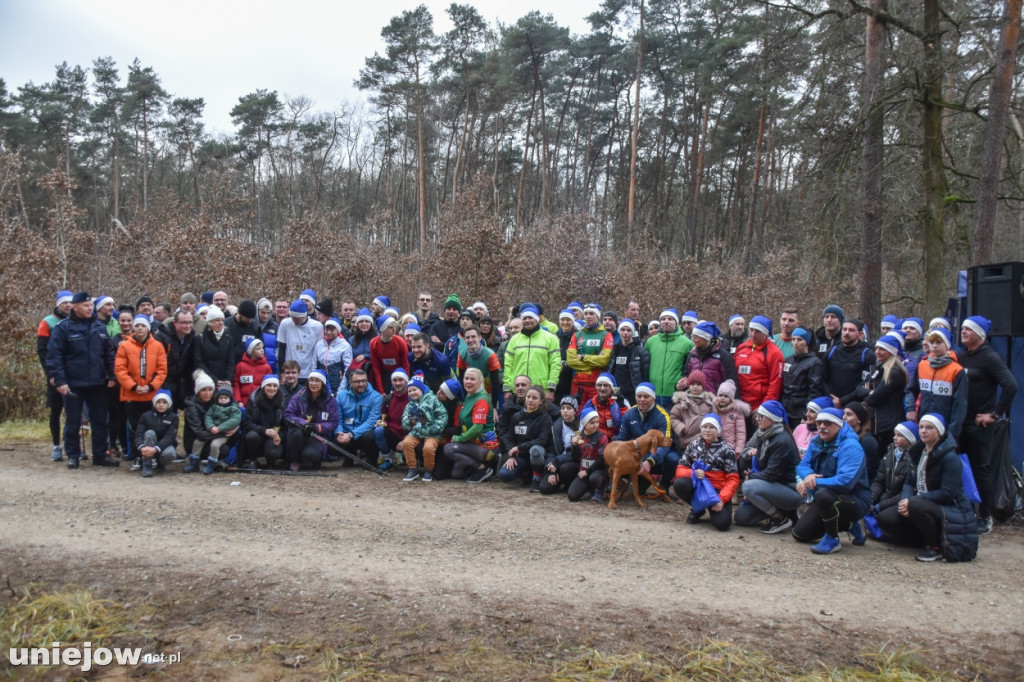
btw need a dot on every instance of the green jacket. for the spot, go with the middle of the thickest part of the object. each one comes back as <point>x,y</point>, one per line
<point>536,355</point>
<point>430,420</point>
<point>668,358</point>
<point>224,417</point>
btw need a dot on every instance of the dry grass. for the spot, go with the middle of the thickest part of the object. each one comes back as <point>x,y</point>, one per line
<point>24,429</point>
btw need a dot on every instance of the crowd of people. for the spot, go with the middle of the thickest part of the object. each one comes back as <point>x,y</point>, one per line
<point>813,429</point>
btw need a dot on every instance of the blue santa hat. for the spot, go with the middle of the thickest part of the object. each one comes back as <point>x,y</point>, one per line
<point>251,345</point>
<point>819,404</point>
<point>831,414</point>
<point>773,410</point>
<point>979,325</point>
<point>529,310</point>
<point>889,322</point>
<point>690,316</point>
<point>586,415</point>
<point>318,374</point>
<point>452,389</point>
<point>418,383</point>
<point>593,307</point>
<point>890,343</point>
<point>947,338</point>
<point>712,419</point>
<point>364,315</point>
<point>670,312</point>
<point>936,420</point>
<point>163,394</point>
<point>908,430</point>
<point>385,321</point>
<point>382,301</point>
<point>706,330</point>
<point>566,314</point>
<point>606,378</point>
<point>915,322</point>
<point>141,319</point>
<point>412,327</point>
<point>762,324</point>
<point>298,308</point>
<point>309,296</point>
<point>101,301</point>
<point>65,296</point>
<point>626,322</point>
<point>647,388</point>
<point>733,318</point>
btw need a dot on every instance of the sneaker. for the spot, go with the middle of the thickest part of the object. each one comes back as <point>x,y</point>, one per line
<point>56,455</point>
<point>828,545</point>
<point>193,464</point>
<point>209,467</point>
<point>777,525</point>
<point>104,461</point>
<point>72,462</point>
<point>136,464</point>
<point>428,477</point>
<point>480,475</point>
<point>857,533</point>
<point>386,466</point>
<point>147,468</point>
<point>411,476</point>
<point>294,466</point>
<point>598,496</point>
<point>929,554</point>
<point>535,485</point>
<point>984,527</point>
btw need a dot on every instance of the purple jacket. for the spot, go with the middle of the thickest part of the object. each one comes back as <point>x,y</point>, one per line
<point>323,414</point>
<point>716,363</point>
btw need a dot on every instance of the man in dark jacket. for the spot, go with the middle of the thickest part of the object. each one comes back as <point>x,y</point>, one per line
<point>848,365</point>
<point>986,372</point>
<point>80,359</point>
<point>432,364</point>
<point>179,344</point>
<point>829,333</point>
<point>53,400</point>
<point>243,328</point>
<point>448,326</point>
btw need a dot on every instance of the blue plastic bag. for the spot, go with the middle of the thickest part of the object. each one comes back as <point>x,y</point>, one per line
<point>704,494</point>
<point>970,487</point>
<point>872,525</point>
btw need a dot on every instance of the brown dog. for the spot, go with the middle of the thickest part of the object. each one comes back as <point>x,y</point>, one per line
<point>623,458</point>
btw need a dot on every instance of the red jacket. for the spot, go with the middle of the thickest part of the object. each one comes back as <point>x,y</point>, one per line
<point>760,372</point>
<point>385,358</point>
<point>248,377</point>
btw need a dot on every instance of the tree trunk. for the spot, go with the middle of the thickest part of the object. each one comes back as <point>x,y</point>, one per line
<point>873,157</point>
<point>931,157</point>
<point>748,242</point>
<point>526,158</point>
<point>698,177</point>
<point>995,134</point>
<point>635,133</point>
<point>422,171</point>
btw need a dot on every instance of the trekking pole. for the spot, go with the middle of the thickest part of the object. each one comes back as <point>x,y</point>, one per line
<point>337,448</point>
<point>275,472</point>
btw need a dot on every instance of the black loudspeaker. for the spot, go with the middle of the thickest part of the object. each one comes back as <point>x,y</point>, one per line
<point>996,291</point>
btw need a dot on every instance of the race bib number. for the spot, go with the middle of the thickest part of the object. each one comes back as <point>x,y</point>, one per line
<point>245,379</point>
<point>389,362</point>
<point>587,463</point>
<point>864,375</point>
<point>300,347</point>
<point>943,388</point>
<point>926,385</point>
<point>621,360</point>
<point>520,429</point>
<point>609,423</point>
<point>324,416</point>
<point>822,347</point>
<point>350,420</point>
<point>593,343</point>
<point>743,369</point>
<point>786,367</point>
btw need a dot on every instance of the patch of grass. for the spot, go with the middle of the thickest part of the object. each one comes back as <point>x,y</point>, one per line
<point>24,429</point>
<point>71,615</point>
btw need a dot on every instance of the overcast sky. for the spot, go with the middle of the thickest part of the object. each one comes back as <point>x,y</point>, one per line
<point>221,49</point>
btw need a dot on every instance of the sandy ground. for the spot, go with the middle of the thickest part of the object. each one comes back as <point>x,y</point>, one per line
<point>423,567</point>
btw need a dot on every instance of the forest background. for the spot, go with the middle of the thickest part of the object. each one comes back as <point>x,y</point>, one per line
<point>718,155</point>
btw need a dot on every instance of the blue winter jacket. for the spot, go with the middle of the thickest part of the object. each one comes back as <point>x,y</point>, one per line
<point>636,423</point>
<point>358,414</point>
<point>840,465</point>
<point>269,337</point>
<point>436,369</point>
<point>79,353</point>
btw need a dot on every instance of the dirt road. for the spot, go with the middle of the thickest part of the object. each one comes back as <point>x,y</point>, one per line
<point>421,567</point>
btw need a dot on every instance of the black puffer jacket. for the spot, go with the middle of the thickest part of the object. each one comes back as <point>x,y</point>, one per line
<point>847,368</point>
<point>887,488</point>
<point>262,413</point>
<point>527,429</point>
<point>777,458</point>
<point>803,379</point>
<point>164,425</point>
<point>945,487</point>
<point>631,366</point>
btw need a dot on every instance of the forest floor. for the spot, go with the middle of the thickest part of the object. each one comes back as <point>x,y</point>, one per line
<point>257,577</point>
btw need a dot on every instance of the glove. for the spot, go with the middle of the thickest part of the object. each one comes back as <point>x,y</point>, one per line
<point>308,428</point>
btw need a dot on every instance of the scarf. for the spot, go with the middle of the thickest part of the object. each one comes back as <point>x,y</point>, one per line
<point>764,435</point>
<point>937,363</point>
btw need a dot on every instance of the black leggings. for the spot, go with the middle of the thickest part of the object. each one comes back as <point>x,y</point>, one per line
<point>466,458</point>
<point>897,528</point>
<point>564,477</point>
<point>303,449</point>
<point>720,519</point>
<point>580,487</point>
<point>56,405</point>
<point>828,513</point>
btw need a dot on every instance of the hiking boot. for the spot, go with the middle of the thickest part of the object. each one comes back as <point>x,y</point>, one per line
<point>428,477</point>
<point>929,554</point>
<point>777,525</point>
<point>598,496</point>
<point>386,466</point>
<point>535,485</point>
<point>56,455</point>
<point>984,525</point>
<point>694,517</point>
<point>857,533</point>
<point>104,461</point>
<point>136,464</point>
<point>193,464</point>
<point>829,544</point>
<point>411,476</point>
<point>147,467</point>
<point>72,462</point>
<point>480,475</point>
<point>209,467</point>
